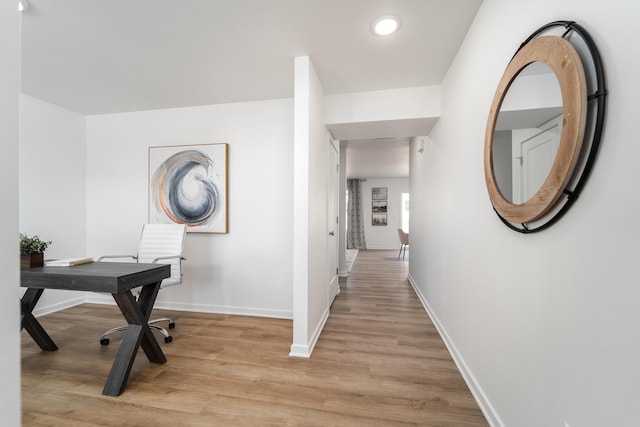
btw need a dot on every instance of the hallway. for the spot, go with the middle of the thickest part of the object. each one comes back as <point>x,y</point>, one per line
<point>378,326</point>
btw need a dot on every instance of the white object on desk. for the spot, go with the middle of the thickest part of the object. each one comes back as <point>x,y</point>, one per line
<point>67,262</point>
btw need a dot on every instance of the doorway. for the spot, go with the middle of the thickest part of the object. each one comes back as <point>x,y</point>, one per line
<point>333,221</point>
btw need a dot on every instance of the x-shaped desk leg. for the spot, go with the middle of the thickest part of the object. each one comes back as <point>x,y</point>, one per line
<point>137,334</point>
<point>31,324</point>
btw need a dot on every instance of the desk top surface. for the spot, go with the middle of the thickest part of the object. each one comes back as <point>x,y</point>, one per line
<point>109,277</point>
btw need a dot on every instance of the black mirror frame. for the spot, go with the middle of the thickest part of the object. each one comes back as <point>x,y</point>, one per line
<point>589,141</point>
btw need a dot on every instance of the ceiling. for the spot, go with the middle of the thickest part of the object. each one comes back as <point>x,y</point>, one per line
<point>108,56</point>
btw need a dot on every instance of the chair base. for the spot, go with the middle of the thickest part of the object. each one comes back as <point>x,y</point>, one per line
<point>403,249</point>
<point>167,337</point>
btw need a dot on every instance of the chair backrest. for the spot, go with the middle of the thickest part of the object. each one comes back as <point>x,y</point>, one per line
<point>404,237</point>
<point>163,240</point>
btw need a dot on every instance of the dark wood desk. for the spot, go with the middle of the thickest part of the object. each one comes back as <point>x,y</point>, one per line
<point>108,277</point>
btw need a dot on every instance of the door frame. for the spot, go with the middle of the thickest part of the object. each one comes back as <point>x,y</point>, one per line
<point>332,220</point>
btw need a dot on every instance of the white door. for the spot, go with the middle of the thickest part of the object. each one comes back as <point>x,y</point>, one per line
<point>537,154</point>
<point>332,223</point>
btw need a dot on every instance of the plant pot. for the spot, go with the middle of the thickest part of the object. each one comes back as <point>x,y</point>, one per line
<point>33,260</point>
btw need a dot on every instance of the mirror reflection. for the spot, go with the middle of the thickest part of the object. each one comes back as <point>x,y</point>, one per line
<point>527,132</point>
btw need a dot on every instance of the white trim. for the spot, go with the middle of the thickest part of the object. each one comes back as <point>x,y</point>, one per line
<point>42,311</point>
<point>201,308</point>
<point>298,350</point>
<point>476,390</point>
<point>221,309</point>
<point>93,298</point>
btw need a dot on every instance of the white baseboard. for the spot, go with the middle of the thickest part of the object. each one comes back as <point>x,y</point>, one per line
<point>226,309</point>
<point>41,311</point>
<point>476,390</point>
<point>298,350</point>
<point>198,308</point>
<point>305,350</point>
<point>381,248</point>
<point>94,298</point>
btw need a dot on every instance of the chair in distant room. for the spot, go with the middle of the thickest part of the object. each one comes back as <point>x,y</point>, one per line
<point>159,243</point>
<point>404,242</point>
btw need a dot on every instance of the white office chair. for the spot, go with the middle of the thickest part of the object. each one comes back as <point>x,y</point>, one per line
<point>159,243</point>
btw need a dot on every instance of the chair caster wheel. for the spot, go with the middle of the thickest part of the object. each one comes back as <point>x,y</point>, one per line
<point>168,339</point>
<point>172,325</point>
<point>104,341</point>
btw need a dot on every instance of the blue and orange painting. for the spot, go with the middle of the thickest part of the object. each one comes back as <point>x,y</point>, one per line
<point>188,185</point>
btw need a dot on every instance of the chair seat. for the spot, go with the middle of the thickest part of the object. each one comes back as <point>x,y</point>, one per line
<point>159,243</point>
<point>404,242</point>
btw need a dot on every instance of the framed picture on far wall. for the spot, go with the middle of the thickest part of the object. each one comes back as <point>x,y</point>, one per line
<point>188,185</point>
<point>379,219</point>
<point>379,206</point>
<point>379,193</point>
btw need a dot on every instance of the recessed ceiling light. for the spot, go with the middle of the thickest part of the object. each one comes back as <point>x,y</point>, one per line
<point>385,25</point>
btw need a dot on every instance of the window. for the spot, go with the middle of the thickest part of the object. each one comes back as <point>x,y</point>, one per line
<point>405,212</point>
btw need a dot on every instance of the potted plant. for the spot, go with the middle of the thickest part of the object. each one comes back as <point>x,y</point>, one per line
<point>32,251</point>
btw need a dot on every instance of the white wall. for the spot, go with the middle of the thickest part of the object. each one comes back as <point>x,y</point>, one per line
<point>310,284</point>
<point>9,260</point>
<point>383,105</point>
<point>52,202</point>
<point>381,237</point>
<point>377,158</point>
<point>247,271</point>
<point>544,326</point>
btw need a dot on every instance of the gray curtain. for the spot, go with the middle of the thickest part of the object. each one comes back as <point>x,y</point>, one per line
<point>355,232</point>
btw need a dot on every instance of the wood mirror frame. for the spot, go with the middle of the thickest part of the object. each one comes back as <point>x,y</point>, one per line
<point>565,62</point>
<point>575,159</point>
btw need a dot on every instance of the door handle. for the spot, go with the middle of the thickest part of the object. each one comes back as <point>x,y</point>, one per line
<point>331,233</point>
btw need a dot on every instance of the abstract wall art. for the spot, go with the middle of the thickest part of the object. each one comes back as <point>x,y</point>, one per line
<point>188,185</point>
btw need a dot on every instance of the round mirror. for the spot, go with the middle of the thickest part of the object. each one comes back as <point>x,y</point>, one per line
<point>536,128</point>
<point>527,133</point>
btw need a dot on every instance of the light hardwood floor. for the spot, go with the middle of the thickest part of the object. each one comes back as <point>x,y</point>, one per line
<point>379,362</point>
